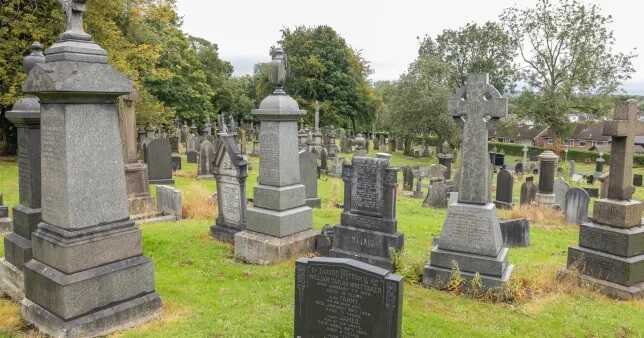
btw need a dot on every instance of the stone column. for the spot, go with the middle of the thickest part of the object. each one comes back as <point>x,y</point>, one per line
<point>547,173</point>
<point>87,276</point>
<point>279,223</point>
<point>25,115</point>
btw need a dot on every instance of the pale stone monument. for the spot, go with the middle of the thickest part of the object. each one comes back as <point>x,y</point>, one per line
<point>88,276</point>
<point>25,115</point>
<point>230,168</point>
<point>610,255</point>
<point>471,236</point>
<point>278,225</point>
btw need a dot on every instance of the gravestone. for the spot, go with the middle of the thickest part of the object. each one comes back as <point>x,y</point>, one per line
<point>174,147</point>
<point>206,157</point>
<point>518,168</point>
<point>157,155</point>
<point>504,186</point>
<point>561,187</point>
<point>25,116</point>
<point>335,169</point>
<point>418,191</point>
<point>192,154</point>
<point>471,235</point>
<point>610,254</point>
<point>230,168</point>
<point>368,229</point>
<point>278,225</point>
<point>140,202</point>
<point>515,232</point>
<point>437,195</point>
<point>547,173</point>
<point>528,191</point>
<point>169,201</point>
<point>309,176</point>
<point>361,144</point>
<point>88,276</point>
<point>337,297</point>
<point>637,180</point>
<point>408,178</point>
<point>576,206</point>
<point>437,171</point>
<point>446,158</point>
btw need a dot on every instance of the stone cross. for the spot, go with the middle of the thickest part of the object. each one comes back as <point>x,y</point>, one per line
<point>622,129</point>
<point>74,10</point>
<point>476,104</point>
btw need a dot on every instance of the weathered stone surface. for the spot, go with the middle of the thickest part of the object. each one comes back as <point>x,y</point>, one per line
<point>206,157</point>
<point>437,195</point>
<point>346,298</point>
<point>621,270</point>
<point>256,248</point>
<point>622,214</point>
<point>547,173</point>
<point>169,201</point>
<point>472,229</point>
<point>637,180</point>
<point>515,232</point>
<point>576,206</point>
<point>309,177</point>
<point>561,187</point>
<point>528,191</point>
<point>504,188</point>
<point>158,157</point>
<point>620,242</point>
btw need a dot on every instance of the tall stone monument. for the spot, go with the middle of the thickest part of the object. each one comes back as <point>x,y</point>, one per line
<point>471,236</point>
<point>88,276</point>
<point>231,170</point>
<point>140,201</point>
<point>279,222</point>
<point>25,115</point>
<point>309,177</point>
<point>369,230</point>
<point>547,173</point>
<point>610,254</point>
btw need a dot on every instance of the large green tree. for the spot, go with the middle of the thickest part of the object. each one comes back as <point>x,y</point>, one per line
<point>569,61</point>
<point>324,68</point>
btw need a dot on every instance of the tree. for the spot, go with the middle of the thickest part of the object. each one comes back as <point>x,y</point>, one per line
<point>324,68</point>
<point>569,61</point>
<point>476,48</point>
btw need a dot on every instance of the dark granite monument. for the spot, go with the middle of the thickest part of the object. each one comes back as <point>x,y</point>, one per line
<point>25,115</point>
<point>337,297</point>
<point>368,229</point>
<point>547,173</point>
<point>610,254</point>
<point>528,192</point>
<point>471,235</point>
<point>88,276</point>
<point>157,154</point>
<point>504,186</point>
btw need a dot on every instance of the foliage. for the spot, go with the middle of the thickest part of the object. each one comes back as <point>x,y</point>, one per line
<point>324,68</point>
<point>568,53</point>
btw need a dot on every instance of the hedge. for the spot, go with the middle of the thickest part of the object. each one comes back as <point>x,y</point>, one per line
<point>514,149</point>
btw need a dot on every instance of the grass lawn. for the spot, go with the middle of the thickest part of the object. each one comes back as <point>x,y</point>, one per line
<point>206,293</point>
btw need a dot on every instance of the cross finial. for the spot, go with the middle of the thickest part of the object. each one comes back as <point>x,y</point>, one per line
<point>622,129</point>
<point>74,10</point>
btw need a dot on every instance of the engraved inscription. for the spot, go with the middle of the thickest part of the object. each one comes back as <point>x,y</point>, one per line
<point>53,165</point>
<point>269,169</point>
<point>367,185</point>
<point>230,203</point>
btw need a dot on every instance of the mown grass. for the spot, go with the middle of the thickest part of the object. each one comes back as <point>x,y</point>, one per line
<point>206,293</point>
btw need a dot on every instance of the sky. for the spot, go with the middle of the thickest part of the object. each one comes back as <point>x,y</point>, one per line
<point>386,31</point>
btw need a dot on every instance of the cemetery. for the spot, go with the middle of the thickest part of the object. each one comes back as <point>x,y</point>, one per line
<point>148,189</point>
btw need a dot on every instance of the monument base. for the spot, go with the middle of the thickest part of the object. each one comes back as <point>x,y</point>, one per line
<point>5,224</point>
<point>162,181</point>
<point>206,177</point>
<point>141,206</point>
<point>117,317</point>
<point>256,248</point>
<point>607,288</point>
<point>504,205</point>
<point>12,282</point>
<point>313,203</point>
<point>545,200</point>
<point>372,247</point>
<point>626,271</point>
<point>224,233</point>
<point>440,278</point>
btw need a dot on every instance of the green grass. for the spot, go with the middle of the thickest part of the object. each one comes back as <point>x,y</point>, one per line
<point>206,293</point>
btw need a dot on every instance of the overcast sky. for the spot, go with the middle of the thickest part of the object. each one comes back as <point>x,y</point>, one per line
<point>385,30</point>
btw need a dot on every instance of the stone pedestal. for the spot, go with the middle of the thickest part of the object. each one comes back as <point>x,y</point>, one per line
<point>547,173</point>
<point>87,276</point>
<point>279,223</point>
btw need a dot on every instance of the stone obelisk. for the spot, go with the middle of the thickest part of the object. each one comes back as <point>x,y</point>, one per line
<point>88,276</point>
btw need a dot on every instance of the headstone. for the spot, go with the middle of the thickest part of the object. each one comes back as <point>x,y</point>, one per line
<point>169,201</point>
<point>471,236</point>
<point>437,171</point>
<point>547,173</point>
<point>88,276</point>
<point>192,154</point>
<point>418,191</point>
<point>446,158</point>
<point>528,191</point>
<point>368,229</point>
<point>499,159</point>
<point>335,169</point>
<point>518,168</point>
<point>504,189</point>
<point>336,297</point>
<point>230,168</point>
<point>206,157</point>
<point>157,156</point>
<point>576,206</point>
<point>437,195</point>
<point>515,232</point>
<point>309,176</point>
<point>610,254</point>
<point>637,180</point>
<point>25,116</point>
<point>279,224</point>
<point>360,143</point>
<point>561,188</point>
<point>174,147</point>
<point>408,178</point>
